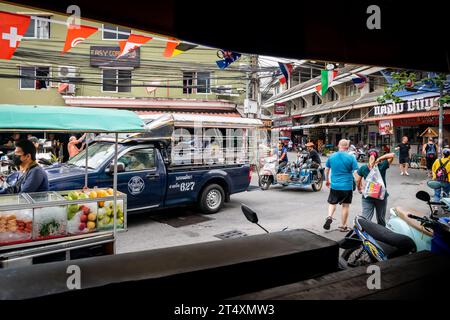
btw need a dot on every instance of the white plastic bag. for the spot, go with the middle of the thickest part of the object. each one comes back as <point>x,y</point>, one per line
<point>375,187</point>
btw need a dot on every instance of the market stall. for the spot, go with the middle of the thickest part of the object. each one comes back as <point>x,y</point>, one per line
<point>43,224</point>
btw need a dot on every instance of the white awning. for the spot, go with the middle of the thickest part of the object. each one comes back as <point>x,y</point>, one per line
<point>216,121</point>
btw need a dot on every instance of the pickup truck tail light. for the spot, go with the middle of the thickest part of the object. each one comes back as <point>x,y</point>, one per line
<point>250,174</point>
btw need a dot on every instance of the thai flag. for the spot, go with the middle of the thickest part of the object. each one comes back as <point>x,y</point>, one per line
<point>360,81</point>
<point>286,70</point>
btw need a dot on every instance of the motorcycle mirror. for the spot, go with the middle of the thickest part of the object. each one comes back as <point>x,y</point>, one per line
<point>434,184</point>
<point>424,196</point>
<point>249,214</point>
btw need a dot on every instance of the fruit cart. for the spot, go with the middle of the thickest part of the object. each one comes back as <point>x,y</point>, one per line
<point>65,225</point>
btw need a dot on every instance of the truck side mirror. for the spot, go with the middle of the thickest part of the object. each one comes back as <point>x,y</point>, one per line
<point>120,168</point>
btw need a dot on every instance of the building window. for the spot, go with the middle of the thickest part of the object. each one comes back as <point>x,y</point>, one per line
<point>203,82</point>
<point>116,80</point>
<point>350,89</point>
<point>34,78</point>
<point>332,95</point>
<point>115,33</point>
<point>38,29</point>
<point>188,82</point>
<point>316,99</point>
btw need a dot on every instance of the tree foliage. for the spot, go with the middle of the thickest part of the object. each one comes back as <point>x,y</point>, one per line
<point>406,80</point>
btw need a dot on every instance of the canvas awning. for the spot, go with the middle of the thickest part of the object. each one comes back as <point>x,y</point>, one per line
<point>32,118</point>
<point>406,116</point>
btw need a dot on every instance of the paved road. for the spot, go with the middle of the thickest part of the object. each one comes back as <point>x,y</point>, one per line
<point>277,208</point>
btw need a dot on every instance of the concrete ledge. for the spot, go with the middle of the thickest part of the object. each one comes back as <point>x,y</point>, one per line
<point>212,270</point>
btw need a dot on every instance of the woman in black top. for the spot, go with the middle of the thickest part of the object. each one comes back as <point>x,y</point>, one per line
<point>404,148</point>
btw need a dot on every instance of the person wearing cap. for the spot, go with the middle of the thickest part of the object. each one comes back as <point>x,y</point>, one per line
<point>441,173</point>
<point>369,205</point>
<point>313,154</point>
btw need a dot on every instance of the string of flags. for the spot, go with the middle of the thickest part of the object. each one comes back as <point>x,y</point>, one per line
<point>228,57</point>
<point>14,26</point>
<point>360,80</point>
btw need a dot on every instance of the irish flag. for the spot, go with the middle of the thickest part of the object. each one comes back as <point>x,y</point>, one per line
<point>327,77</point>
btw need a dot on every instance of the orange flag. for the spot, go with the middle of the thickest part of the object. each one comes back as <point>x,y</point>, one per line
<point>134,41</point>
<point>75,35</point>
<point>170,47</point>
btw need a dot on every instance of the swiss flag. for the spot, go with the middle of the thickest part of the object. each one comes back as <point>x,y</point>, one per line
<point>77,34</point>
<point>134,41</point>
<point>12,28</point>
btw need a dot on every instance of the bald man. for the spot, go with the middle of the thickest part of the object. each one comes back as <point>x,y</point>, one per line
<point>342,166</point>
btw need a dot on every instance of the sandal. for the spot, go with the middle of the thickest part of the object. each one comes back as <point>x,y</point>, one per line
<point>344,228</point>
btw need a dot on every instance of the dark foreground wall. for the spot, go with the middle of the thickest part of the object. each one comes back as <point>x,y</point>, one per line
<point>213,270</point>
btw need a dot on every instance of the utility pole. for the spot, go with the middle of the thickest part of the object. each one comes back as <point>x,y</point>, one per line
<point>255,96</point>
<point>441,119</point>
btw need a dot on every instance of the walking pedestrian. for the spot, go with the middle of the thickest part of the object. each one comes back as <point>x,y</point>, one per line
<point>441,173</point>
<point>404,156</point>
<point>340,181</point>
<point>429,150</point>
<point>371,204</point>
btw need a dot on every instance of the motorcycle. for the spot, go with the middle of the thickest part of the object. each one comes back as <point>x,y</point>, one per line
<point>300,173</point>
<point>400,221</point>
<point>405,233</point>
<point>361,155</point>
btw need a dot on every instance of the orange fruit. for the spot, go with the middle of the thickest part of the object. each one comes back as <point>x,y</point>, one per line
<point>101,204</point>
<point>92,194</point>
<point>110,191</point>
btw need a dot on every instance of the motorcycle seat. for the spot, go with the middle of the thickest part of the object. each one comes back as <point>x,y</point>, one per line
<point>402,213</point>
<point>402,243</point>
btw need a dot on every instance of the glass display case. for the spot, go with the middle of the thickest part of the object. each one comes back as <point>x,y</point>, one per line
<point>49,215</point>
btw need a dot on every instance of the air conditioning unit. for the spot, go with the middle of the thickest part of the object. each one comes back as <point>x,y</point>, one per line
<point>67,72</point>
<point>322,120</point>
<point>334,120</point>
<point>224,90</point>
<point>71,89</point>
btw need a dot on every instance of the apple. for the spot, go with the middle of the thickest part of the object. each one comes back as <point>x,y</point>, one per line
<point>86,210</point>
<point>83,218</point>
<point>92,217</point>
<point>82,226</point>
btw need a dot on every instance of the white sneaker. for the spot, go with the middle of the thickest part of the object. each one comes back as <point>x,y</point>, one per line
<point>407,173</point>
<point>401,173</point>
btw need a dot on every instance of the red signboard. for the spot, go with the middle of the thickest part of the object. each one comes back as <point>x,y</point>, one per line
<point>280,108</point>
<point>411,122</point>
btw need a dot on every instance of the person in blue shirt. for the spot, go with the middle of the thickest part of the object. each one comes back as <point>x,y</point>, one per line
<point>30,177</point>
<point>283,160</point>
<point>342,166</point>
<point>371,204</point>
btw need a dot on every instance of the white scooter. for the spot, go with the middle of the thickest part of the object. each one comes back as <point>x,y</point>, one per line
<point>268,172</point>
<point>401,223</point>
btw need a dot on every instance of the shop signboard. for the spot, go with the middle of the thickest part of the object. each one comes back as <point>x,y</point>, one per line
<point>385,127</point>
<point>282,122</point>
<point>106,56</point>
<point>417,121</point>
<point>416,105</point>
<point>280,108</point>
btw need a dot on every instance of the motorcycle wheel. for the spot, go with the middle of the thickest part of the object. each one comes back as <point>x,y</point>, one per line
<point>265,182</point>
<point>317,184</point>
<point>356,257</point>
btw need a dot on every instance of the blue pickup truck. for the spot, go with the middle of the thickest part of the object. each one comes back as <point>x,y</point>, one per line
<point>149,180</point>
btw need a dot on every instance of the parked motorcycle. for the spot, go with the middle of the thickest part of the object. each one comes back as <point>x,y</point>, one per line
<point>361,155</point>
<point>405,233</point>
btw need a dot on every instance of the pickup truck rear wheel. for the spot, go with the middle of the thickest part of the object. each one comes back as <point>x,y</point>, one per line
<point>212,199</point>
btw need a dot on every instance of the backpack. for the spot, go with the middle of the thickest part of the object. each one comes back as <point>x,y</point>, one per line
<point>431,150</point>
<point>441,172</point>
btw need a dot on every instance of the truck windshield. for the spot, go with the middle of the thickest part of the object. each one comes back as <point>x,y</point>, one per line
<point>98,153</point>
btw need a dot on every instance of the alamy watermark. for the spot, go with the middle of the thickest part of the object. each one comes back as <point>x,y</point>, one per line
<point>374,280</point>
<point>374,20</point>
<point>74,280</point>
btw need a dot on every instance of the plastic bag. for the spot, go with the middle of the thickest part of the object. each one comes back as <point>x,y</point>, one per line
<point>375,187</point>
